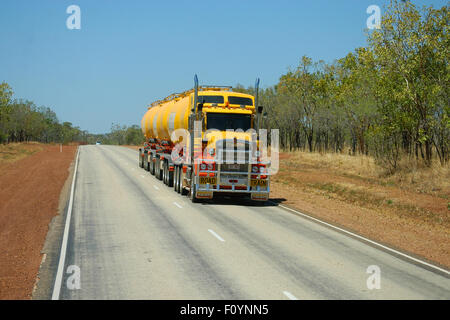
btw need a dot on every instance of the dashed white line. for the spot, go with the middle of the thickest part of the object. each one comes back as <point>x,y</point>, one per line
<point>155,187</point>
<point>216,235</point>
<point>177,205</point>
<point>290,295</point>
<point>142,176</point>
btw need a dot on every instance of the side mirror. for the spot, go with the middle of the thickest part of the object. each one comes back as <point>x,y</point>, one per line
<point>260,109</point>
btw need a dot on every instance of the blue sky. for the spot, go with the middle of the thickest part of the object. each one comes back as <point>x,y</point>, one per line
<point>130,53</point>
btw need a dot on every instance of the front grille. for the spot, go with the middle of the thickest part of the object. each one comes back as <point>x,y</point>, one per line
<point>231,144</point>
<point>231,151</point>
<point>241,167</point>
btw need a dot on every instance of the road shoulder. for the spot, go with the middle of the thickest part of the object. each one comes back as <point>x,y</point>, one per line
<point>45,279</point>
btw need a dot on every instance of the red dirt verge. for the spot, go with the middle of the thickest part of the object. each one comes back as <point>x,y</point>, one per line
<point>30,190</point>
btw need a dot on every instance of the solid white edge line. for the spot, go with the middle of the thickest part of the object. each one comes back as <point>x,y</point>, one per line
<point>216,235</point>
<point>177,205</point>
<point>368,240</point>
<point>290,295</point>
<point>62,256</point>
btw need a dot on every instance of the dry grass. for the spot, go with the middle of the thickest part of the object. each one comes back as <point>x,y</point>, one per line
<point>411,175</point>
<point>414,191</point>
<point>12,152</point>
<point>415,176</point>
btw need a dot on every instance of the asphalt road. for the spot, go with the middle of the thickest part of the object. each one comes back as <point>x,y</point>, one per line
<point>135,238</point>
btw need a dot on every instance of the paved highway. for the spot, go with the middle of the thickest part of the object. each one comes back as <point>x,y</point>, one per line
<point>135,238</point>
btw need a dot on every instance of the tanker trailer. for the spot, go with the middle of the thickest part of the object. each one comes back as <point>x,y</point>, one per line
<point>205,141</point>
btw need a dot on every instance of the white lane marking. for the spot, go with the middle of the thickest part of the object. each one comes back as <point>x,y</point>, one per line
<point>177,205</point>
<point>62,255</point>
<point>368,240</point>
<point>142,176</point>
<point>216,235</point>
<point>290,295</point>
<point>155,187</point>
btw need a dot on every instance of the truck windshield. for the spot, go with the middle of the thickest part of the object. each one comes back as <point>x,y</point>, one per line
<point>210,99</point>
<point>224,121</point>
<point>240,100</point>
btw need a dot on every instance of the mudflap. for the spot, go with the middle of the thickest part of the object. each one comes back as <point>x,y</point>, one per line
<point>259,196</point>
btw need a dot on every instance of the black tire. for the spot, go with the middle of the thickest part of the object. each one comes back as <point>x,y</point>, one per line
<point>141,160</point>
<point>192,192</point>
<point>169,177</point>
<point>181,190</point>
<point>179,182</point>
<point>175,177</point>
<point>158,172</point>
<point>147,164</point>
<point>152,165</point>
<point>165,172</point>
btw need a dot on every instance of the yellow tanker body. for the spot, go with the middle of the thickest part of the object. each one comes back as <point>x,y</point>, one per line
<point>225,120</point>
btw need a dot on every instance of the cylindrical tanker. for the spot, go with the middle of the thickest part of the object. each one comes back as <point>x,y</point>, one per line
<point>162,119</point>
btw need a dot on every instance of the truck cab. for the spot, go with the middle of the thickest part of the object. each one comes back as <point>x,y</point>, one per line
<point>229,161</point>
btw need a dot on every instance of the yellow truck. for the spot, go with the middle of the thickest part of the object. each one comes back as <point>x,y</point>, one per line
<point>205,141</point>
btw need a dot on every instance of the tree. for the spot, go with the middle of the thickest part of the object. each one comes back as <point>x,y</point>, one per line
<point>5,100</point>
<point>411,55</point>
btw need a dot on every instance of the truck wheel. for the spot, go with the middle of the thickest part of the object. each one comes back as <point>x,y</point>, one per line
<point>165,172</point>
<point>192,193</point>
<point>179,181</point>
<point>152,166</point>
<point>181,190</point>
<point>169,177</point>
<point>147,164</point>
<point>175,179</point>
<point>158,172</point>
<point>141,160</point>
